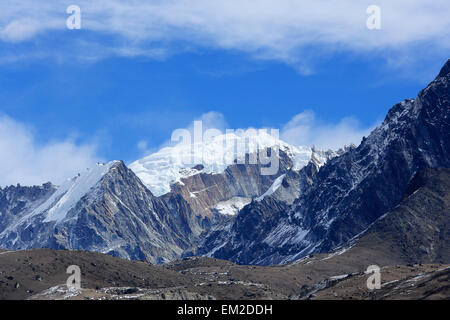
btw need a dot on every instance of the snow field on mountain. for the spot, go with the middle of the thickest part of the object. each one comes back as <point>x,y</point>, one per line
<point>169,165</point>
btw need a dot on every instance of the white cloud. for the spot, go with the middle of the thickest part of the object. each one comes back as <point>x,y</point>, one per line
<point>142,145</point>
<point>25,161</point>
<point>19,30</point>
<point>306,130</point>
<point>211,120</point>
<point>284,30</point>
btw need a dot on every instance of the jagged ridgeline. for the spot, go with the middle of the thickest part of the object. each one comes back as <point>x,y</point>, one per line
<point>318,201</point>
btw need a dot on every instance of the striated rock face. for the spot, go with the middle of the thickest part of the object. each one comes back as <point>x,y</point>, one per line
<point>221,174</point>
<point>418,229</point>
<point>16,201</point>
<point>108,209</point>
<point>117,215</point>
<point>350,191</point>
<point>204,191</point>
<point>161,170</point>
<point>294,182</point>
<point>316,201</point>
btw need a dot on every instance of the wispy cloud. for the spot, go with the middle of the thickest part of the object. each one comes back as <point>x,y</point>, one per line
<point>209,120</point>
<point>27,162</point>
<point>305,129</point>
<point>282,30</point>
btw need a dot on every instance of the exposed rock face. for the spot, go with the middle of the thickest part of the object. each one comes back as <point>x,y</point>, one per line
<point>415,232</point>
<point>118,216</point>
<point>226,170</point>
<point>355,189</point>
<point>108,209</point>
<point>203,191</point>
<point>418,229</point>
<point>16,201</point>
<point>293,213</point>
<point>294,183</point>
<point>350,191</point>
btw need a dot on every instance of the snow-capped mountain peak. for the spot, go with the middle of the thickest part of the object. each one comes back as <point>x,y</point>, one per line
<point>66,196</point>
<point>169,165</point>
<point>70,192</point>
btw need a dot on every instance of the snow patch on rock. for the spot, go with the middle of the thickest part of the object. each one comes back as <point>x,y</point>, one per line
<point>233,206</point>
<point>274,187</point>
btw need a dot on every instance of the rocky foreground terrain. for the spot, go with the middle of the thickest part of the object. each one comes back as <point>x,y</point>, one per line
<point>41,275</point>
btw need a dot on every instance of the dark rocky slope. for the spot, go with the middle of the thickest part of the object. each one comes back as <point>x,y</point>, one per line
<point>350,191</point>
<point>118,216</point>
<point>19,200</point>
<point>415,232</point>
<point>418,229</point>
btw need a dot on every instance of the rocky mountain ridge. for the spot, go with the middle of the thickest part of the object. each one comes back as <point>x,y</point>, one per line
<point>316,202</point>
<point>349,192</point>
<point>115,214</point>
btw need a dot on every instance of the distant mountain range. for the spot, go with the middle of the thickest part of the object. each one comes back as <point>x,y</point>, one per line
<point>389,193</point>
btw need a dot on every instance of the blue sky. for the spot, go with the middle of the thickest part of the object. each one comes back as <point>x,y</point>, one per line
<point>122,100</point>
<point>100,91</point>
